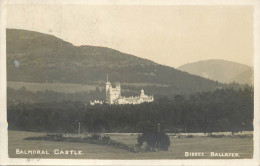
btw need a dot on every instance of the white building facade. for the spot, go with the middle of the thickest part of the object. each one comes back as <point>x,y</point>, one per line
<point>113,96</point>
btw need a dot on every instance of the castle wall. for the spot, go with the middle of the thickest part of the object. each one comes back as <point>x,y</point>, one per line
<point>113,96</point>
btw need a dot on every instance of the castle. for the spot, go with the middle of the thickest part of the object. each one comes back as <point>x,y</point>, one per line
<point>113,96</point>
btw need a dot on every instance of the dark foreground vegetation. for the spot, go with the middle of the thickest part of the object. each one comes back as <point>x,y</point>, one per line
<point>93,139</point>
<point>221,110</point>
<point>155,141</point>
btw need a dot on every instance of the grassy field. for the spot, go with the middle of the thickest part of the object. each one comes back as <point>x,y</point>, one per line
<point>56,87</point>
<point>243,146</point>
<point>68,88</point>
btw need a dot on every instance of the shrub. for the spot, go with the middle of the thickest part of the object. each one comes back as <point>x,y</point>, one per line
<point>95,137</point>
<point>34,138</point>
<point>164,141</point>
<point>216,136</point>
<point>56,137</point>
<point>154,141</point>
<point>189,136</point>
<point>244,136</point>
<point>106,138</point>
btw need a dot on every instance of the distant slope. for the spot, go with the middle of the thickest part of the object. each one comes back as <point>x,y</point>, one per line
<point>220,70</point>
<point>246,77</point>
<point>40,58</point>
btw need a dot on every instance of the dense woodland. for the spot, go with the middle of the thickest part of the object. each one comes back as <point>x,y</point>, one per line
<point>219,110</point>
<point>24,95</point>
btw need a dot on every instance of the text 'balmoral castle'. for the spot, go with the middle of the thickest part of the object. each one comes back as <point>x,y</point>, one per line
<point>113,96</point>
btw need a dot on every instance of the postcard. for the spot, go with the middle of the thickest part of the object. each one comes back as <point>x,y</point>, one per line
<point>129,82</point>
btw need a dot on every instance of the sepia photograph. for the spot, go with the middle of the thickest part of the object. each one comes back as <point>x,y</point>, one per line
<point>138,81</point>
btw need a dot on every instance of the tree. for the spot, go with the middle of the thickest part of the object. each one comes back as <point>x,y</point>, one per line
<point>155,141</point>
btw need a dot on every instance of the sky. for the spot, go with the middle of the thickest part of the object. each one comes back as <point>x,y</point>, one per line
<point>169,35</point>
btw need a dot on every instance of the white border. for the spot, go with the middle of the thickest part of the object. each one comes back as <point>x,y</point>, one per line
<point>256,79</point>
<point>136,2</point>
<point>4,160</point>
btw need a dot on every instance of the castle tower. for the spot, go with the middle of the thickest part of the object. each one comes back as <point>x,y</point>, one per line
<point>118,87</point>
<point>108,87</point>
<point>142,93</point>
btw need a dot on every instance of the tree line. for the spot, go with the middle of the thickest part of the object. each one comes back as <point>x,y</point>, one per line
<point>220,110</point>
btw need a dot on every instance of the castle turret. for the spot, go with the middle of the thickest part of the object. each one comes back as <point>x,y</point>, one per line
<point>142,93</point>
<point>118,87</point>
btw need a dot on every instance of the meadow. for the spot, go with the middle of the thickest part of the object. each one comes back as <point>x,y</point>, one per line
<point>241,145</point>
<point>56,87</point>
<point>69,87</point>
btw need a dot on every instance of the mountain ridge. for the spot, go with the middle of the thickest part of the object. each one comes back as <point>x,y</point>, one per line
<point>220,70</point>
<point>37,57</point>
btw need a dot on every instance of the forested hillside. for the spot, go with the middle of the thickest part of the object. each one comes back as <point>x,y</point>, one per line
<point>41,58</point>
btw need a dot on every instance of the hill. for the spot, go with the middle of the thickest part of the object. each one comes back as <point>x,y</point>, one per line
<point>40,58</point>
<point>221,70</point>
